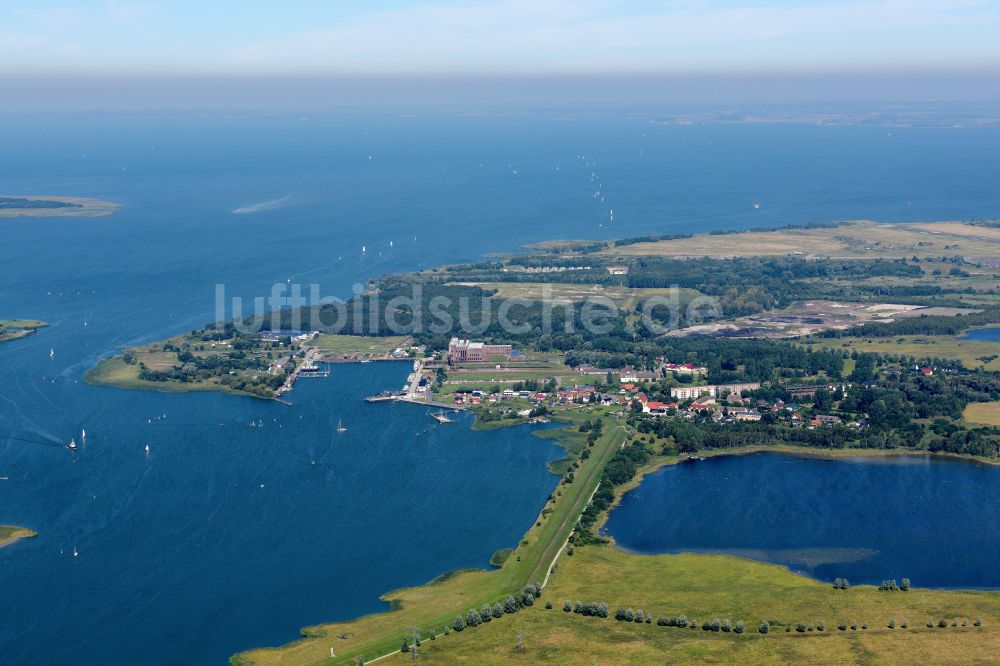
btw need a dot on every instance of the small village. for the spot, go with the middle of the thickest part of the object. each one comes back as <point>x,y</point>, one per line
<point>533,394</point>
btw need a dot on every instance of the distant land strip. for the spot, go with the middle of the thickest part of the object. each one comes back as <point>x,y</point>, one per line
<point>54,206</point>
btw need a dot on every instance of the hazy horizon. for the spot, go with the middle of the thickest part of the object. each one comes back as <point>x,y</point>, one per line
<point>131,54</point>
<point>831,92</point>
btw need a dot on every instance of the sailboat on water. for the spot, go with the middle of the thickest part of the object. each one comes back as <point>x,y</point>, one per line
<point>340,426</point>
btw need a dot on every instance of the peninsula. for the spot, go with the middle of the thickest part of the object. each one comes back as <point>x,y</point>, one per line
<point>55,206</point>
<point>218,357</point>
<point>12,329</point>
<point>9,534</point>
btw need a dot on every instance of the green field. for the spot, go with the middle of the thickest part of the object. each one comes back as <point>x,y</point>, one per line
<point>356,346</point>
<point>983,413</point>
<point>970,353</point>
<point>435,605</point>
<point>9,534</point>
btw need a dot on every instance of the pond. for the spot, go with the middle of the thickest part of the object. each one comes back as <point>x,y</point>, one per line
<point>983,334</point>
<point>929,519</point>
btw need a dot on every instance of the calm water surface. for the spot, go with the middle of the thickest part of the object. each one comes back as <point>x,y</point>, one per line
<point>228,536</point>
<point>931,520</point>
<point>983,335</point>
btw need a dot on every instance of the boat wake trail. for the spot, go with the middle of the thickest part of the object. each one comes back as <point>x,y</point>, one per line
<point>262,206</point>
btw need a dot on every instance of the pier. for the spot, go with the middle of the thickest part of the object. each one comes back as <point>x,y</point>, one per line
<point>413,393</point>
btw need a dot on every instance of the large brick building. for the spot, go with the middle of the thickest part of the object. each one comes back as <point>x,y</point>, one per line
<point>466,351</point>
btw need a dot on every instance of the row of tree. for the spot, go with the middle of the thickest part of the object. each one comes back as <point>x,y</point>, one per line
<point>508,605</point>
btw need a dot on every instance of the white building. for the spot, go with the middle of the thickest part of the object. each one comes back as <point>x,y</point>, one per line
<point>689,392</point>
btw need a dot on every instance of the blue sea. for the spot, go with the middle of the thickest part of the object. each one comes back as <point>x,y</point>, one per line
<point>229,535</point>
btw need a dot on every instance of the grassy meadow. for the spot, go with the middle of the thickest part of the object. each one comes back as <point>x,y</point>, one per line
<point>706,587</point>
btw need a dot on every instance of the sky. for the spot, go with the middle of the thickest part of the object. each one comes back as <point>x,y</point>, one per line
<point>440,39</point>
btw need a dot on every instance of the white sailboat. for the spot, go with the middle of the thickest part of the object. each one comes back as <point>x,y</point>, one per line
<point>72,445</point>
<point>83,436</point>
<point>52,352</point>
<point>147,449</point>
<point>340,426</point>
<point>76,553</point>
